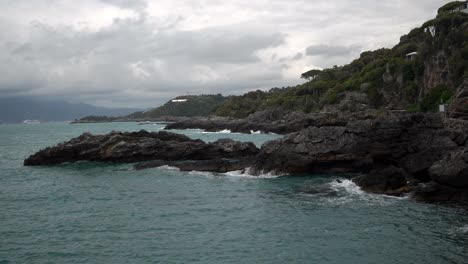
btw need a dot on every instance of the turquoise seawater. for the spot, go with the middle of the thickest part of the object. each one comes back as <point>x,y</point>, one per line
<point>107,213</point>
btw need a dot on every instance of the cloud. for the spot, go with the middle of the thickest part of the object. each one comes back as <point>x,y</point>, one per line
<point>298,56</point>
<point>130,4</point>
<point>330,51</point>
<point>140,53</point>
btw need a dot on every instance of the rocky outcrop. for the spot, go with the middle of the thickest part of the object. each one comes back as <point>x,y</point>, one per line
<point>394,153</point>
<point>276,121</point>
<point>350,102</point>
<point>459,107</point>
<point>452,170</point>
<point>121,147</point>
<point>412,141</point>
<point>388,180</point>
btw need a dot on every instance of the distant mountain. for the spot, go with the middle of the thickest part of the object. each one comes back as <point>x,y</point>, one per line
<point>181,106</point>
<point>17,109</point>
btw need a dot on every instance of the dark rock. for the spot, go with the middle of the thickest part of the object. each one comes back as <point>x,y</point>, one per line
<point>139,146</point>
<point>217,165</point>
<point>433,192</point>
<point>412,142</point>
<point>459,106</point>
<point>395,151</point>
<point>272,121</point>
<point>451,170</point>
<point>230,146</point>
<point>390,180</point>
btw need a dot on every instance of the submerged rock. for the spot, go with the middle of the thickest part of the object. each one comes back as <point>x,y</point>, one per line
<point>139,146</point>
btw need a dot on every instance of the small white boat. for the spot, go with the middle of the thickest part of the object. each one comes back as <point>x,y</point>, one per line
<point>31,122</point>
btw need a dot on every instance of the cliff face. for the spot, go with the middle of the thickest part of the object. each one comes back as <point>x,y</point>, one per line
<point>459,107</point>
<point>436,72</point>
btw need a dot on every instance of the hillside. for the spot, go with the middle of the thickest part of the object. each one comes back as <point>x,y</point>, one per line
<point>191,105</point>
<point>422,70</point>
<point>181,106</point>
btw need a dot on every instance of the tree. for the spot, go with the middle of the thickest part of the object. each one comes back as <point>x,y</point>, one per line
<point>310,75</point>
<point>449,7</point>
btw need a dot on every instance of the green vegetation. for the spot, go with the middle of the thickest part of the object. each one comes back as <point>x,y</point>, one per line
<point>449,7</point>
<point>384,75</point>
<point>439,95</point>
<point>201,105</point>
<point>310,75</point>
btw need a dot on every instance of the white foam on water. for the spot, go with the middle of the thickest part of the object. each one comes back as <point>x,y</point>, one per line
<point>255,132</point>
<point>459,230</point>
<point>349,192</point>
<point>201,173</point>
<point>225,131</point>
<point>236,174</point>
<point>348,186</point>
<point>463,229</point>
<point>247,174</point>
<point>166,167</point>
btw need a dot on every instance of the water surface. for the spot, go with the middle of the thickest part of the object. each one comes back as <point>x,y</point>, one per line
<point>106,213</point>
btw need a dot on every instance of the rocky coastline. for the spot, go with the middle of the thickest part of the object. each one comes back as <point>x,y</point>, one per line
<point>394,153</point>
<point>278,121</point>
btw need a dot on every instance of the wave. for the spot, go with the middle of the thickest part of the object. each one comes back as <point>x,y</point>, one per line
<point>225,131</point>
<point>347,192</point>
<point>255,132</point>
<point>166,167</point>
<point>346,185</point>
<point>201,173</point>
<point>247,173</point>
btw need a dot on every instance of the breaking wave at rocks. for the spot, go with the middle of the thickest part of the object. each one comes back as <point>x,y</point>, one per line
<point>224,131</point>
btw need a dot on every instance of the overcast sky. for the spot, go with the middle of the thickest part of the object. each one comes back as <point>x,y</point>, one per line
<point>138,53</point>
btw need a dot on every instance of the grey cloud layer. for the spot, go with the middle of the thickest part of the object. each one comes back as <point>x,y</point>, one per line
<point>330,51</point>
<point>204,47</point>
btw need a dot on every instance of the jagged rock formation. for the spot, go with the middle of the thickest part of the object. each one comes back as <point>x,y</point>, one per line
<point>350,102</point>
<point>139,146</point>
<point>396,152</point>
<point>276,121</point>
<point>459,107</point>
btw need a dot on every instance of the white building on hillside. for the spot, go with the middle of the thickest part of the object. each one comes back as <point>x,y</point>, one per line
<point>179,100</point>
<point>411,56</point>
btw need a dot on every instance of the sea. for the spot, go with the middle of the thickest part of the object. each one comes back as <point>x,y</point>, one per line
<point>109,213</point>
